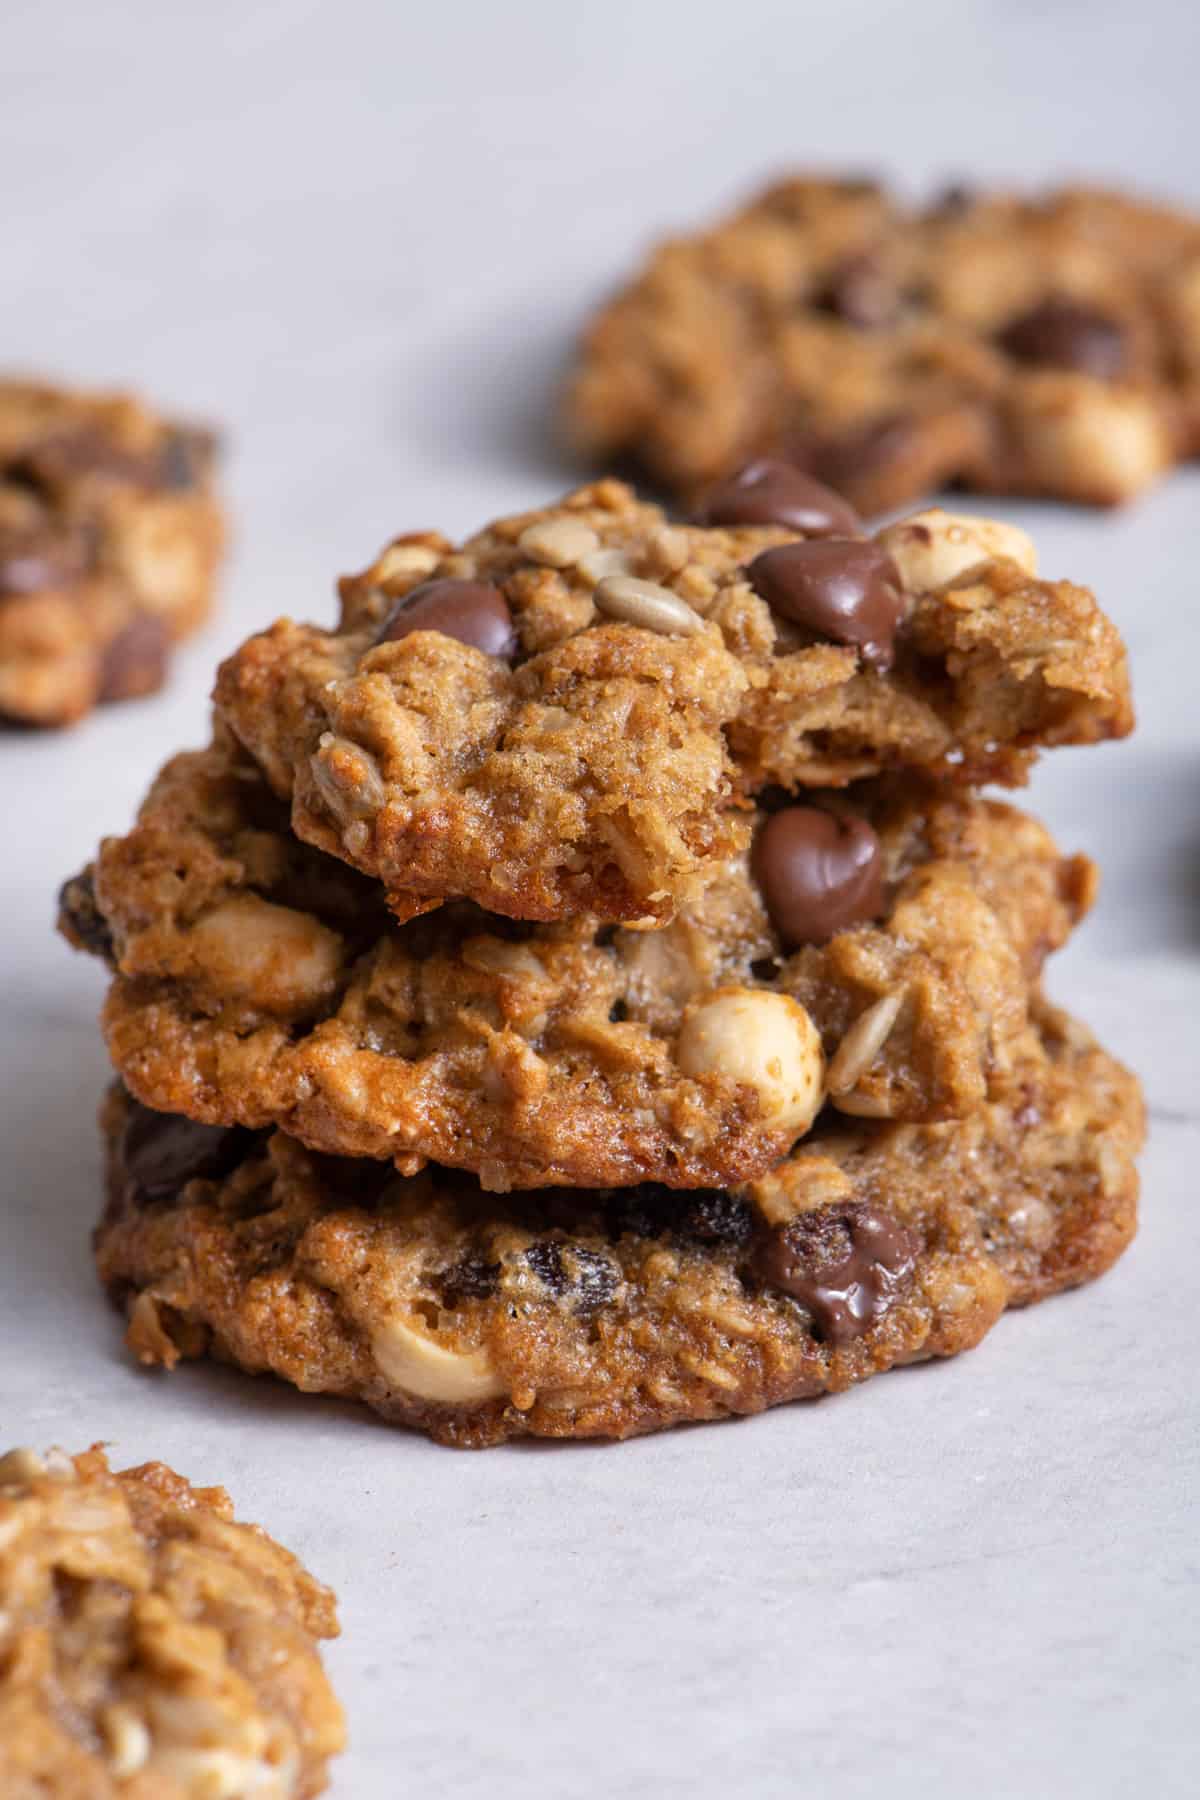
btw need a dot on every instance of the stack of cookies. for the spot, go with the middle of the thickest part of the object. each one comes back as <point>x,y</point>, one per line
<point>585,990</point>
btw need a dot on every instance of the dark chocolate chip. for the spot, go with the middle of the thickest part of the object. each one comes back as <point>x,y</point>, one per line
<point>844,1264</point>
<point>954,202</point>
<point>81,919</point>
<point>186,458</point>
<point>470,1279</point>
<point>860,292</point>
<point>836,588</point>
<point>588,1278</point>
<point>162,1152</point>
<point>865,452</point>
<point>818,873</point>
<point>770,492</point>
<point>474,612</point>
<point>1065,334</point>
<point>136,660</point>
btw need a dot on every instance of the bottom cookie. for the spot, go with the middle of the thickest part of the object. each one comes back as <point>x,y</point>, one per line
<point>478,1317</point>
<point>151,1646</point>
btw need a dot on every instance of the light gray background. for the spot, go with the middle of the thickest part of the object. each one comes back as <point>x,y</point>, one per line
<point>361,237</point>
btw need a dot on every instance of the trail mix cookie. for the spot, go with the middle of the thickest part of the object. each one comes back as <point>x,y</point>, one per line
<point>873,949</point>
<point>563,715</point>
<point>110,536</point>
<point>151,1646</point>
<point>1046,345</point>
<point>477,1318</point>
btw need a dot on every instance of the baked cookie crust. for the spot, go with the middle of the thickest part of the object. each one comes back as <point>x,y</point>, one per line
<point>151,1647</point>
<point>476,1318</point>
<point>650,678</point>
<point>258,982</point>
<point>110,536</point>
<point>1045,345</point>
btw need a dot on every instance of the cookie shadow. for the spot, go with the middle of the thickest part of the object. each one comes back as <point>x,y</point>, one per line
<point>486,395</point>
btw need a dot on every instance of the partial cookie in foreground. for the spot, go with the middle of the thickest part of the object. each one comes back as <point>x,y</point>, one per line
<point>875,949</point>
<point>1046,345</point>
<point>151,1647</point>
<point>561,716</point>
<point>477,1318</point>
<point>110,535</point>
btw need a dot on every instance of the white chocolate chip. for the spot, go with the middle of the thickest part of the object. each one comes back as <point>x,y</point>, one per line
<point>647,604</point>
<point>763,1039</point>
<point>931,548</point>
<point>411,1361</point>
<point>128,1740</point>
<point>249,948</point>
<point>863,1042</point>
<point>559,542</point>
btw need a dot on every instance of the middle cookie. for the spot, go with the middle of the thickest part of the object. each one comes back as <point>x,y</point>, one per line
<point>872,949</point>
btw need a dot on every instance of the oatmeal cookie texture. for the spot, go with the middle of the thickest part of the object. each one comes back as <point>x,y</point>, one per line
<point>1045,345</point>
<point>604,1314</point>
<point>568,713</point>
<point>873,951</point>
<point>110,536</point>
<point>151,1647</point>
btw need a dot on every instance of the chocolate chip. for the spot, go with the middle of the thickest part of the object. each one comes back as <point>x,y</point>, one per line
<point>186,457</point>
<point>474,612</point>
<point>162,1152</point>
<point>836,588</point>
<point>81,920</point>
<point>136,660</point>
<point>1065,334</point>
<point>954,202</point>
<point>865,452</point>
<point>470,1279</point>
<point>860,292</point>
<point>818,873</point>
<point>586,1276</point>
<point>844,1264</point>
<point>770,492</point>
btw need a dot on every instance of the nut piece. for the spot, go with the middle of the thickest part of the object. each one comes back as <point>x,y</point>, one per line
<point>412,1361</point>
<point>559,542</point>
<point>863,1042</point>
<point>763,1039</point>
<point>647,604</point>
<point>932,547</point>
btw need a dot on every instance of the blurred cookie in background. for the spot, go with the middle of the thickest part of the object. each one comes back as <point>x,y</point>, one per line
<point>110,537</point>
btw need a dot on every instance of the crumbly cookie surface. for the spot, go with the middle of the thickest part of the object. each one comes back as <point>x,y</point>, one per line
<point>151,1647</point>
<point>652,676</point>
<point>476,1318</point>
<point>259,982</point>
<point>1046,345</point>
<point>110,536</point>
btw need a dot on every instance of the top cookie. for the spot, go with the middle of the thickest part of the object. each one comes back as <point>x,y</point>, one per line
<point>1037,346</point>
<point>110,535</point>
<point>565,715</point>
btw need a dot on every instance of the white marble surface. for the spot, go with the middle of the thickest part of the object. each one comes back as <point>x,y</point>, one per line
<point>361,236</point>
